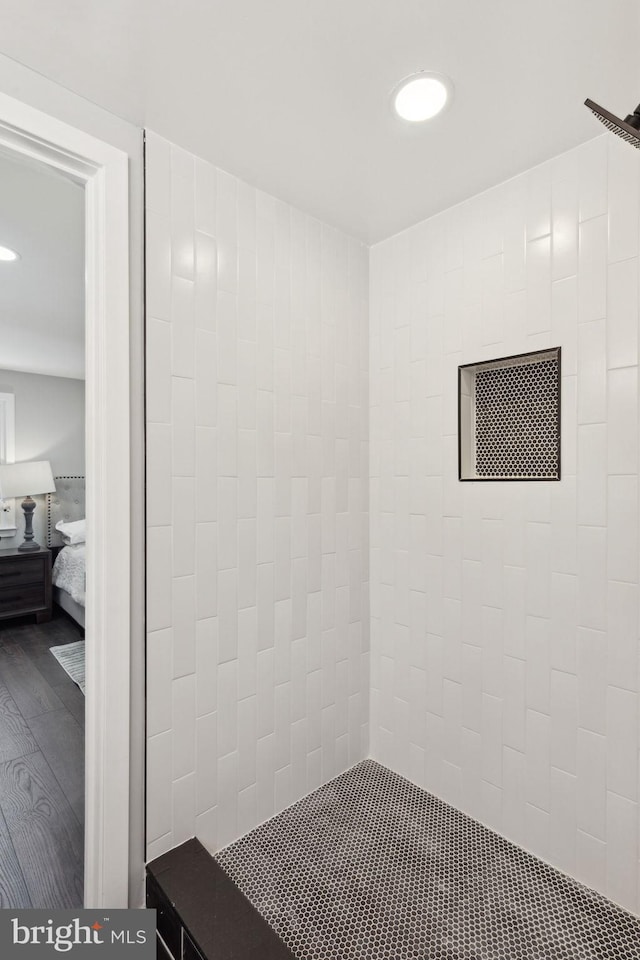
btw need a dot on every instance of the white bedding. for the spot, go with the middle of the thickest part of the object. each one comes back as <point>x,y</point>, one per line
<point>69,572</point>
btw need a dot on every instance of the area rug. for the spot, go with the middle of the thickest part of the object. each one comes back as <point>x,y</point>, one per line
<point>70,656</point>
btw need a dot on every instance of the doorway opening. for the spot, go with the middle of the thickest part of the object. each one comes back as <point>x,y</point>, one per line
<point>42,570</point>
<point>65,599</point>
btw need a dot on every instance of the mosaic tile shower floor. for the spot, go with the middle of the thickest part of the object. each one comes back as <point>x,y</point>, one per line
<point>371,867</point>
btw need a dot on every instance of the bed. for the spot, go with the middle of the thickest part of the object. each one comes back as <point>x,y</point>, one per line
<point>67,505</point>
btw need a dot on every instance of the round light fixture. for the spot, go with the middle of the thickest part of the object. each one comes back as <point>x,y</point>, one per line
<point>8,255</point>
<point>421,96</point>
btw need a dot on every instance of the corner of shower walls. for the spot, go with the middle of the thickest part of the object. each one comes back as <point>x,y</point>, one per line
<point>504,616</point>
<point>257,510</point>
<point>498,636</point>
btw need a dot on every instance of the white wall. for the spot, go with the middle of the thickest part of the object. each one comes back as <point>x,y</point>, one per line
<point>49,419</point>
<point>505,615</point>
<point>257,477</point>
<point>49,426</point>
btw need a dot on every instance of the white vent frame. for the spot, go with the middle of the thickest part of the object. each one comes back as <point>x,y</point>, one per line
<point>467,450</point>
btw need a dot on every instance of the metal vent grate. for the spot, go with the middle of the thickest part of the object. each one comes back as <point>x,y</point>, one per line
<point>510,418</point>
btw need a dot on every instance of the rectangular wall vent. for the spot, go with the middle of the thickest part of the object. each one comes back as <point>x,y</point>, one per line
<point>509,418</point>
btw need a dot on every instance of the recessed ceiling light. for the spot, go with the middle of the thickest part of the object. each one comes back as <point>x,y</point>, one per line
<point>7,254</point>
<point>421,96</point>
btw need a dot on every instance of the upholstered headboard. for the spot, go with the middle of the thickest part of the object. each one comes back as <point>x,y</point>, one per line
<point>67,503</point>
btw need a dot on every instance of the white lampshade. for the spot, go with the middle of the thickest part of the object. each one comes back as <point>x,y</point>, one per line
<point>26,479</point>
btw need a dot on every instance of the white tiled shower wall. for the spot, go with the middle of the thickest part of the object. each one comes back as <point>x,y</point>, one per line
<point>505,615</point>
<point>257,480</point>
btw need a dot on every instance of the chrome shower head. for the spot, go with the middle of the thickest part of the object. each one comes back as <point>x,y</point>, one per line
<point>628,129</point>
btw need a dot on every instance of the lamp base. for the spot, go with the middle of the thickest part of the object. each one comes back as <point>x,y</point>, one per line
<point>29,546</point>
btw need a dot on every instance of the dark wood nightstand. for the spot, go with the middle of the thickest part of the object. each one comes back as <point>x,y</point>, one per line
<point>25,584</point>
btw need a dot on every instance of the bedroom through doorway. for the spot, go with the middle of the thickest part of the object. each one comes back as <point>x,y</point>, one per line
<point>42,535</point>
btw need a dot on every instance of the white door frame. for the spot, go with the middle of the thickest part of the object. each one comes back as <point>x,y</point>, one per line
<point>103,169</point>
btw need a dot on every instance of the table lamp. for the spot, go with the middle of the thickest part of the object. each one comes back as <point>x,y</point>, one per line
<point>26,479</point>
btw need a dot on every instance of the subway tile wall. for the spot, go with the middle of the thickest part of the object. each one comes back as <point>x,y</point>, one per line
<point>504,625</point>
<point>257,513</point>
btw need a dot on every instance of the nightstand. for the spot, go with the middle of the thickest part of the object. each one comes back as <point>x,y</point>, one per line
<point>25,584</point>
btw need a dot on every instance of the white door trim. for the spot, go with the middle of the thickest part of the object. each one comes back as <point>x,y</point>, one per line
<point>8,431</point>
<point>7,455</point>
<point>103,169</point>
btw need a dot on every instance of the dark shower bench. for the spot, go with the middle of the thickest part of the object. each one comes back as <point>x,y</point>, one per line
<point>201,914</point>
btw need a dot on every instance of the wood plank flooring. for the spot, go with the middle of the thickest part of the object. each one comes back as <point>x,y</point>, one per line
<point>41,768</point>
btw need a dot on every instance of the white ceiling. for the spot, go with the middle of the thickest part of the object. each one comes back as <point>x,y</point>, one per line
<point>292,95</point>
<point>42,293</point>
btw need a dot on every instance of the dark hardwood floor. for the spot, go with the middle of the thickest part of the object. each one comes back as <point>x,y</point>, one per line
<point>41,768</point>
